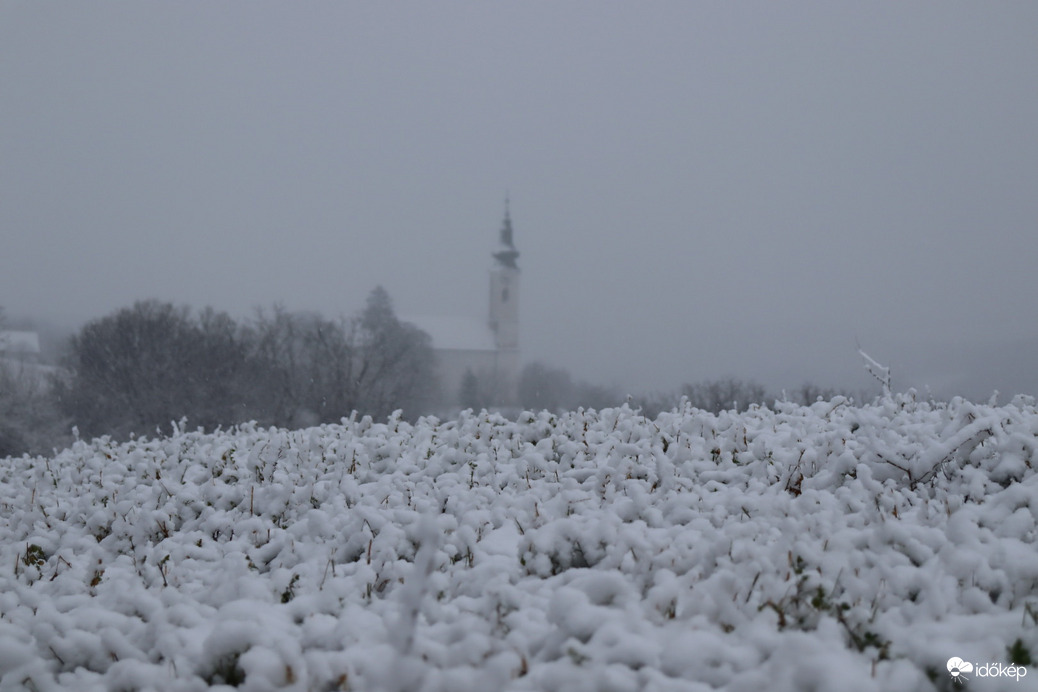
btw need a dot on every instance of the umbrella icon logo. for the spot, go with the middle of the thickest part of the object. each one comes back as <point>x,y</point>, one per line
<point>956,666</point>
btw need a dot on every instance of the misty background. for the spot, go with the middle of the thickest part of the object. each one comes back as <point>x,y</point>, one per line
<point>697,190</point>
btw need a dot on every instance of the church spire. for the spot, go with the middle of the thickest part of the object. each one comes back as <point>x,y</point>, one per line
<point>507,254</point>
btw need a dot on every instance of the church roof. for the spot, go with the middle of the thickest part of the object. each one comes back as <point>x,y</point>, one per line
<point>455,333</point>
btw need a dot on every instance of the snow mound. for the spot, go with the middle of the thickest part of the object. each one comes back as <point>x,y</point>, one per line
<point>799,548</point>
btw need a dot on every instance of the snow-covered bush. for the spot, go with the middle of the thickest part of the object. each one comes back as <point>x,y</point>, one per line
<point>818,547</point>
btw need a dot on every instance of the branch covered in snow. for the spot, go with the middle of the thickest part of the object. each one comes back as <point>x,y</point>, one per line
<point>880,372</point>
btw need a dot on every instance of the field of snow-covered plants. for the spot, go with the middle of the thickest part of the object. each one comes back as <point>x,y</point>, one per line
<point>831,547</point>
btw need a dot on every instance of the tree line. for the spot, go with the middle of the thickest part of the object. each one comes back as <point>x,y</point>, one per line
<point>732,393</point>
<point>545,387</point>
<point>139,369</point>
<point>143,367</point>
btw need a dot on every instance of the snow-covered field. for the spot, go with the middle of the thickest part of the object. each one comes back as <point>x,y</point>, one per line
<point>831,547</point>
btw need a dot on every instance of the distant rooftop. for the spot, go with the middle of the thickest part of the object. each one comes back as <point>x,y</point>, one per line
<point>455,333</point>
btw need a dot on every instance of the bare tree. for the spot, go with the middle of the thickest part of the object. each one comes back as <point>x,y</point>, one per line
<point>317,370</point>
<point>711,395</point>
<point>306,364</point>
<point>393,365</point>
<point>725,394</point>
<point>145,366</point>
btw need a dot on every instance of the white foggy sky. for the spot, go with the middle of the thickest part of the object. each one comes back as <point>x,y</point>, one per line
<point>698,189</point>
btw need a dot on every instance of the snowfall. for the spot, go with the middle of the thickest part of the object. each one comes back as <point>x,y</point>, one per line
<point>829,547</point>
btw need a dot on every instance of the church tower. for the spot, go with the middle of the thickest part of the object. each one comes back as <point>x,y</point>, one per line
<point>504,289</point>
<point>504,303</point>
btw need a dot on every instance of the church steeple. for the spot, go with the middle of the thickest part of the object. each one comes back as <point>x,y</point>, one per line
<point>504,290</point>
<point>507,254</point>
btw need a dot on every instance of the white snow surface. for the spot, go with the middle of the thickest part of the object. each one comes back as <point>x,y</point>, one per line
<point>830,547</point>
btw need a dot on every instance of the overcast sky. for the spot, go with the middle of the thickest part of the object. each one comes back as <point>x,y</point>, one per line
<point>697,189</point>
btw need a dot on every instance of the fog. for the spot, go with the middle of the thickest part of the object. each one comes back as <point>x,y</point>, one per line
<point>697,190</point>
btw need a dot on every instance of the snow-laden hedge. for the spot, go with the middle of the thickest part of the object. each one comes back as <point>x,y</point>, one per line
<point>802,548</point>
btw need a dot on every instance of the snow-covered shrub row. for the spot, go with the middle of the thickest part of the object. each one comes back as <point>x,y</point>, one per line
<point>800,548</point>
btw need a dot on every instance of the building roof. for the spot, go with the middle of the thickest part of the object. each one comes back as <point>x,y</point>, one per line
<point>12,342</point>
<point>455,333</point>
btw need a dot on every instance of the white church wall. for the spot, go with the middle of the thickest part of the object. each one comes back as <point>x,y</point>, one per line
<point>490,350</point>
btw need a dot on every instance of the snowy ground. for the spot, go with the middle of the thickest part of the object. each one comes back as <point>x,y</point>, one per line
<point>825,548</point>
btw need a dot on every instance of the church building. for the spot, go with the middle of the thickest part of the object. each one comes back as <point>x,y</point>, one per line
<point>478,362</point>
